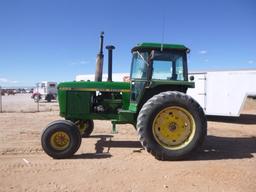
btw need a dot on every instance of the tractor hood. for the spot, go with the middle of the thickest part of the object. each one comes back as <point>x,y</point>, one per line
<point>95,86</point>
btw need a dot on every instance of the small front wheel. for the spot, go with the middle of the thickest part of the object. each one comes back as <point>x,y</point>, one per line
<point>61,139</point>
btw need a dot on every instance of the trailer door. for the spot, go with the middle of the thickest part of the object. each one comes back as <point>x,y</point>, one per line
<point>199,92</point>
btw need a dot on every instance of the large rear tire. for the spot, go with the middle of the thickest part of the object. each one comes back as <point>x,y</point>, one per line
<point>61,139</point>
<point>171,125</point>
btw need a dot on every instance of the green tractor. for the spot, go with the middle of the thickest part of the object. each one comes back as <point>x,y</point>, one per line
<point>170,124</point>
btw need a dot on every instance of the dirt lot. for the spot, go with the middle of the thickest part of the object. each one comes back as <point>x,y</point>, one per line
<point>106,162</point>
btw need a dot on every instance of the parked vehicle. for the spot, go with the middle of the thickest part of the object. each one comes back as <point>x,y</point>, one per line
<point>45,90</point>
<point>11,91</point>
<point>170,124</point>
<point>2,92</point>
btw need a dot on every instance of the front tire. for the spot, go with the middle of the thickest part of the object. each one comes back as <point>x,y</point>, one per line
<point>61,139</point>
<point>171,125</point>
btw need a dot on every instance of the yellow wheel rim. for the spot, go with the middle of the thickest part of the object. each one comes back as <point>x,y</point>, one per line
<point>60,140</point>
<point>174,127</point>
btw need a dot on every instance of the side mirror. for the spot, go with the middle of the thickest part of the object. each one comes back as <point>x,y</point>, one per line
<point>191,78</point>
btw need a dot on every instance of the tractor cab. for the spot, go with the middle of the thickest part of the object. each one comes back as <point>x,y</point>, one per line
<point>158,66</point>
<point>151,63</point>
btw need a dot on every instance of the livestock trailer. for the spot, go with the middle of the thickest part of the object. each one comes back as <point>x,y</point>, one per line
<point>223,93</point>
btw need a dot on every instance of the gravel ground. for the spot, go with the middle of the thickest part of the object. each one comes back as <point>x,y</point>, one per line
<point>117,162</point>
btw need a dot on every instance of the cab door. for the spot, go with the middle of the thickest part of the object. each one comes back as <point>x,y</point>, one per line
<point>139,75</point>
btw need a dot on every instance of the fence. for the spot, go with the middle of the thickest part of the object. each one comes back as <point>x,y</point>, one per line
<point>24,103</point>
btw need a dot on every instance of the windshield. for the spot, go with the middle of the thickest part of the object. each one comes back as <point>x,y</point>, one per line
<point>169,66</point>
<point>139,65</point>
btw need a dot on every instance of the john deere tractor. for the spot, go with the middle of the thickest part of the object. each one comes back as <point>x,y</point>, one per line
<point>170,124</point>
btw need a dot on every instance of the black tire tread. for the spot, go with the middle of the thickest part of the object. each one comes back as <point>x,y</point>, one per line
<point>88,130</point>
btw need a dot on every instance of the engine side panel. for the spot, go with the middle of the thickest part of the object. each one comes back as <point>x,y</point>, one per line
<point>93,100</point>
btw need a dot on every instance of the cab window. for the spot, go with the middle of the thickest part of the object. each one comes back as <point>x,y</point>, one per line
<point>168,66</point>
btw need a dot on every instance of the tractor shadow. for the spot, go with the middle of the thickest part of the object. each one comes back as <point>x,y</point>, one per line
<point>214,148</point>
<point>105,143</point>
<point>247,119</point>
<point>219,148</point>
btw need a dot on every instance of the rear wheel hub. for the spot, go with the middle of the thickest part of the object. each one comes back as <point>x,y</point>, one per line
<point>173,127</point>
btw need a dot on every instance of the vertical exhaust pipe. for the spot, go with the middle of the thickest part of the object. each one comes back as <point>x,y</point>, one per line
<point>110,59</point>
<point>99,60</point>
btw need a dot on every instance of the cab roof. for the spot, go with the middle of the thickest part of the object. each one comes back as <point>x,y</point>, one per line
<point>158,46</point>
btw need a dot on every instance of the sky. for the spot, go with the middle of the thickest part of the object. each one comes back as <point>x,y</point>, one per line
<point>56,40</point>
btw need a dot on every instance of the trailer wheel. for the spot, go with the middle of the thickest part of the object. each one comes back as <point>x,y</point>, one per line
<point>85,127</point>
<point>61,139</point>
<point>171,125</point>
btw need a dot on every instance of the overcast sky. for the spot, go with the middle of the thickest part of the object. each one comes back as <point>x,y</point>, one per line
<point>56,40</point>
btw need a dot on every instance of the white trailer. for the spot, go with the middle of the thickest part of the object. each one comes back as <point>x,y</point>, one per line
<point>223,93</point>
<point>45,90</point>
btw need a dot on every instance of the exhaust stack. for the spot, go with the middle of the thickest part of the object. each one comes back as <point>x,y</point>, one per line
<point>110,59</point>
<point>99,60</point>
